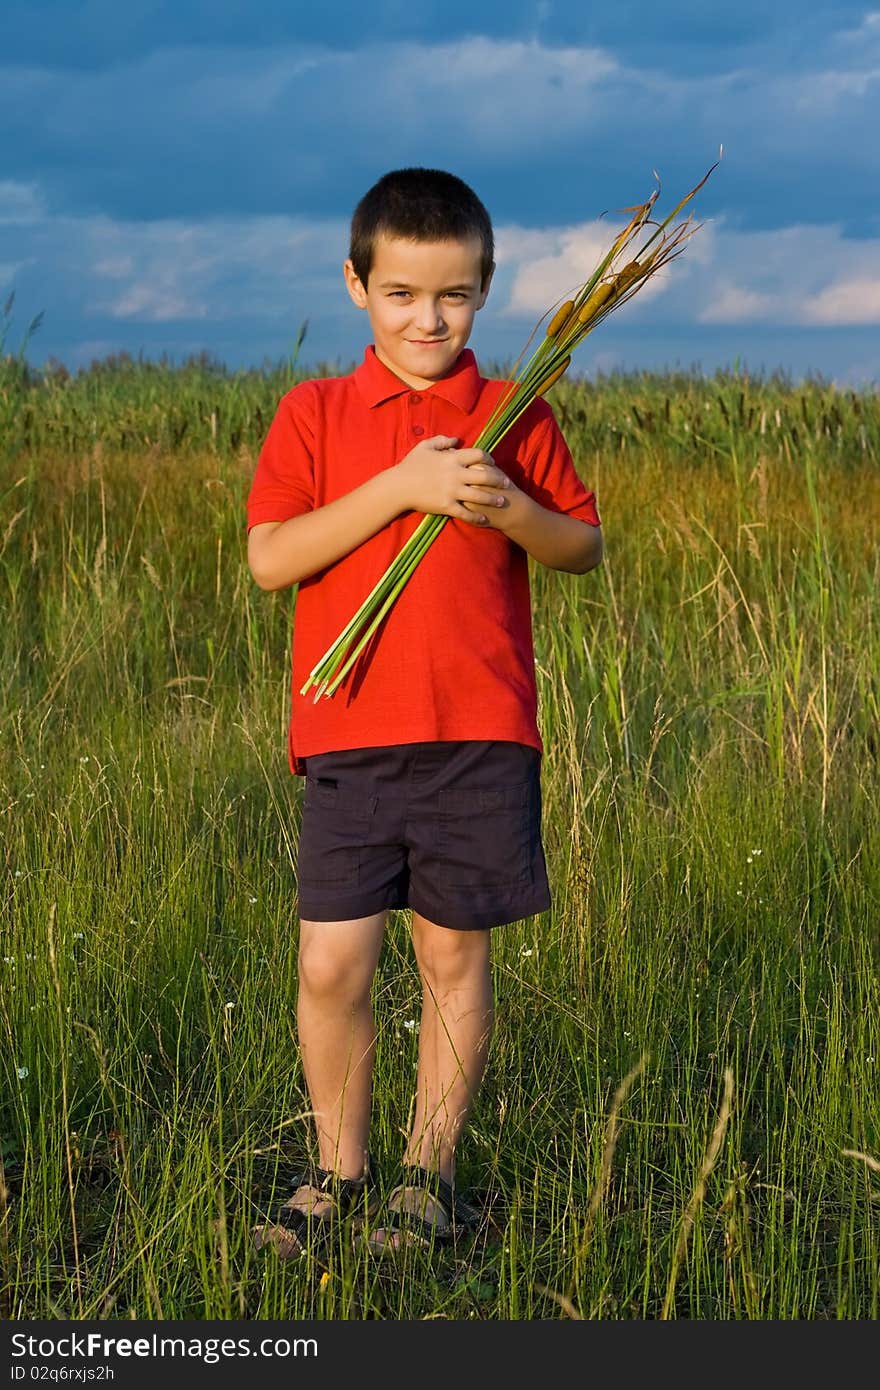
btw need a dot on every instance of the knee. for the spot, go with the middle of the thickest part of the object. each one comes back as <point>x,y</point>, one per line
<point>331,975</point>
<point>455,960</point>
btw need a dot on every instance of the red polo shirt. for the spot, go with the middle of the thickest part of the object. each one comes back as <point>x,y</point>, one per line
<point>454,657</point>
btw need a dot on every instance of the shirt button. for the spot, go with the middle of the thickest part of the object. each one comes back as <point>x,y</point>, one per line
<point>418,429</point>
<point>416,400</point>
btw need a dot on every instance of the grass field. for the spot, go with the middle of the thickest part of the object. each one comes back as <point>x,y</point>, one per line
<point>681,1114</point>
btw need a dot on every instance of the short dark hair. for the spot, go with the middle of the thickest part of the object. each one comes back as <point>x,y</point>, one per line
<point>419,205</point>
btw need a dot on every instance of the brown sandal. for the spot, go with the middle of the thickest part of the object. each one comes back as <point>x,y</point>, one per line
<point>417,1227</point>
<point>300,1230</point>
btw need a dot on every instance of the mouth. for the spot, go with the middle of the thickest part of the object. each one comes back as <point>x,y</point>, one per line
<point>428,342</point>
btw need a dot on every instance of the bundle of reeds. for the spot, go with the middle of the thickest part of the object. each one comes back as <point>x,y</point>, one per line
<point>642,248</point>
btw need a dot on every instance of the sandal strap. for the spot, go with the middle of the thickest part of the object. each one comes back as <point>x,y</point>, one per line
<point>342,1192</point>
<point>296,1220</point>
<point>459,1215</point>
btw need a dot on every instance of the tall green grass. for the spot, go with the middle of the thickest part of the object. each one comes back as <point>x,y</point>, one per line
<point>681,1114</point>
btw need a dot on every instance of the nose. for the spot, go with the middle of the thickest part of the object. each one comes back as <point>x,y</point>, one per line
<point>429,318</point>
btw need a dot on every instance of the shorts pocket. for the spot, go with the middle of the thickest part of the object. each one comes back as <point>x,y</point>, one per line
<point>485,836</point>
<point>335,821</point>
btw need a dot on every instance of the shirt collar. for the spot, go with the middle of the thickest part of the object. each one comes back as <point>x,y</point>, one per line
<point>461,386</point>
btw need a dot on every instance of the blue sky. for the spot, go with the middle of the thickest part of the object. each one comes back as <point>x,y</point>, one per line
<point>177,178</point>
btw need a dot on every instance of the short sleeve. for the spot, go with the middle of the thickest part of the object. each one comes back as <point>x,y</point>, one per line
<point>554,480</point>
<point>284,479</point>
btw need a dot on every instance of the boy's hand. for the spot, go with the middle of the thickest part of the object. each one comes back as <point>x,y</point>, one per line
<point>440,479</point>
<point>499,518</point>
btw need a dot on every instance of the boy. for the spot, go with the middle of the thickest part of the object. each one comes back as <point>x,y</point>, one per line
<point>423,769</point>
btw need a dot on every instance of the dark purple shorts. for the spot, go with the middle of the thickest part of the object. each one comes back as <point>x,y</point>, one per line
<point>451,829</point>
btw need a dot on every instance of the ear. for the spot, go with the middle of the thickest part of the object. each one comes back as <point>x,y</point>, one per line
<point>353,284</point>
<point>484,288</point>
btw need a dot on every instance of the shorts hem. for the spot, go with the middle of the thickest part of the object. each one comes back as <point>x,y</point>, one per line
<point>347,908</point>
<point>475,920</point>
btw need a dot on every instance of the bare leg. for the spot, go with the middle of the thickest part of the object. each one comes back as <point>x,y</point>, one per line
<point>454,1037</point>
<point>456,1026</point>
<point>337,1035</point>
<point>337,1038</point>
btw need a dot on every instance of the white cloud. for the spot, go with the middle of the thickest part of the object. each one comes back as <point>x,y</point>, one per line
<point>514,243</point>
<point>824,92</point>
<point>9,270</point>
<point>262,104</point>
<point>255,280</point>
<point>867,33</point>
<point>736,305</point>
<point>20,202</point>
<point>219,269</point>
<point>91,348</point>
<point>798,275</point>
<point>152,304</point>
<point>276,122</point>
<point>551,268</point>
<point>569,256</point>
<point>115,267</point>
<point>846,302</point>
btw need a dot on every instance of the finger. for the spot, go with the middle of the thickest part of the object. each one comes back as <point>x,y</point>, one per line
<point>473,515</point>
<point>480,508</point>
<point>484,498</point>
<point>492,476</point>
<point>470,457</point>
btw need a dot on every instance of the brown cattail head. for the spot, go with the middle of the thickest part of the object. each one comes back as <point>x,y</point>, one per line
<point>631,271</point>
<point>553,377</point>
<point>594,301</point>
<point>559,318</point>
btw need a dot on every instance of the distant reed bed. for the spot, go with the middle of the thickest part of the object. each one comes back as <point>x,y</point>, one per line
<point>125,404</point>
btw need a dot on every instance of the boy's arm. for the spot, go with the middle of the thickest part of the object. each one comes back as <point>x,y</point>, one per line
<point>552,538</point>
<point>551,515</point>
<point>435,477</point>
<point>281,553</point>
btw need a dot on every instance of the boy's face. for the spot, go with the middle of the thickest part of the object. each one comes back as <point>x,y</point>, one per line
<point>421,297</point>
